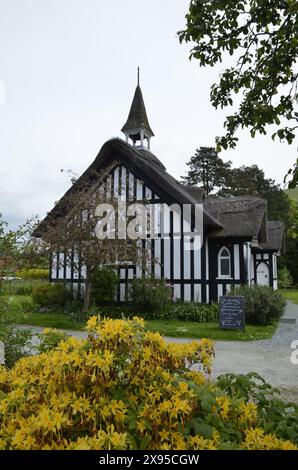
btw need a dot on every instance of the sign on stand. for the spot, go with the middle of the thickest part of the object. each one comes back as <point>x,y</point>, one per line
<point>231,312</point>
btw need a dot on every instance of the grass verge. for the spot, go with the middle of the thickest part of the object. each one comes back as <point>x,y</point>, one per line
<point>290,294</point>
<point>173,328</point>
<point>52,320</point>
<point>176,328</point>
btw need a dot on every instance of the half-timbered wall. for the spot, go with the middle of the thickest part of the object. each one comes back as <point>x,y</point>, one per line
<point>193,274</point>
<point>269,259</point>
<point>219,284</point>
<point>181,267</point>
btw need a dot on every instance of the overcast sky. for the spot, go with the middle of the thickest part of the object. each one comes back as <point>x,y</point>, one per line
<point>67,78</point>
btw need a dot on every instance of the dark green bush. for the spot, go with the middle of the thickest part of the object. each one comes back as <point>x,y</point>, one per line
<point>175,311</point>
<point>263,305</point>
<point>118,311</point>
<point>16,287</point>
<point>24,305</point>
<point>151,295</point>
<point>285,279</point>
<point>194,312</point>
<point>40,295</point>
<point>23,289</point>
<point>104,283</point>
<point>51,295</point>
<point>17,344</point>
<point>34,274</point>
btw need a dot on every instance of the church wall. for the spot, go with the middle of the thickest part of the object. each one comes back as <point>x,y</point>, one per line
<point>217,283</point>
<point>268,259</point>
<point>193,274</point>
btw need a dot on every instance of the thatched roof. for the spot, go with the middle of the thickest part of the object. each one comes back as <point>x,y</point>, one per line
<point>144,164</point>
<point>241,216</point>
<point>275,236</point>
<point>195,191</point>
<point>150,157</point>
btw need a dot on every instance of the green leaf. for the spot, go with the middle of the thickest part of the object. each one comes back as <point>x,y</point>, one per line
<point>206,405</point>
<point>145,442</point>
<point>203,429</point>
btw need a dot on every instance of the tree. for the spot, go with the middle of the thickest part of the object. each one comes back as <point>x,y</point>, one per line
<point>246,180</point>
<point>206,169</point>
<point>17,248</point>
<point>289,258</point>
<point>262,37</point>
<point>285,279</point>
<point>251,180</point>
<point>78,230</point>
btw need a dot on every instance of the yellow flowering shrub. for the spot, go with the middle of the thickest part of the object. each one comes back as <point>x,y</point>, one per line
<point>256,439</point>
<point>123,388</point>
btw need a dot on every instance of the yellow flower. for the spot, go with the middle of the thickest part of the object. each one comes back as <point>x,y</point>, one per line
<point>197,377</point>
<point>77,406</point>
<point>82,444</point>
<point>94,388</point>
<point>44,419</point>
<point>141,427</point>
<point>18,439</point>
<point>164,435</point>
<point>178,441</point>
<point>224,406</point>
<point>92,323</point>
<point>256,439</point>
<point>199,443</point>
<point>118,441</point>
<point>165,446</point>
<point>183,387</point>
<point>2,444</point>
<point>118,409</point>
<point>147,353</point>
<point>139,322</point>
<point>29,443</point>
<point>58,420</point>
<point>76,358</point>
<point>248,412</point>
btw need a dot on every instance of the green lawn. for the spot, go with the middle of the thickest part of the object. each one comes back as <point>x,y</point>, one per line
<point>52,320</point>
<point>178,328</point>
<point>174,328</point>
<point>290,294</point>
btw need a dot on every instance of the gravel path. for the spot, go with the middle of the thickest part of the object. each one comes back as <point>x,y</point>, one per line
<point>270,358</point>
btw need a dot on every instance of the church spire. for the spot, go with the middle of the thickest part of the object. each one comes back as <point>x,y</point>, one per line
<point>137,126</point>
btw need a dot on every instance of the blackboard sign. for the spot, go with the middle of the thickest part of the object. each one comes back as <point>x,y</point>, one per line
<point>231,312</point>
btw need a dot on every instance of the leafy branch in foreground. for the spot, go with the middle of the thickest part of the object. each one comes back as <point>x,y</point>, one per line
<point>262,37</point>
